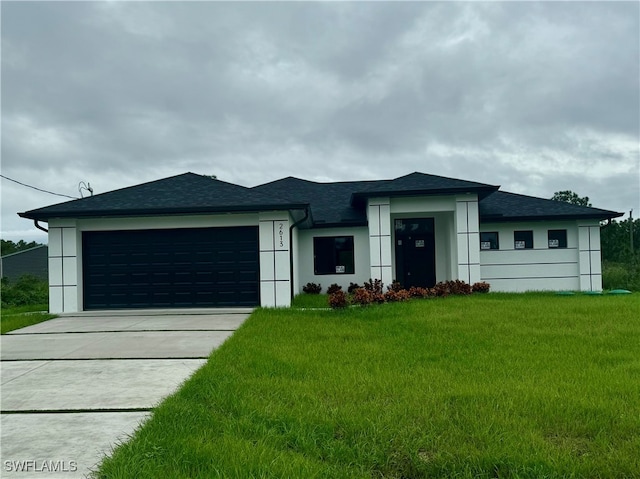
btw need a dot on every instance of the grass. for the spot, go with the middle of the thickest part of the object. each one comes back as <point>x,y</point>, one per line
<point>13,318</point>
<point>488,386</point>
<point>311,301</point>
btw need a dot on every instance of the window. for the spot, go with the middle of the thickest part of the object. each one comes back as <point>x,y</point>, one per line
<point>333,255</point>
<point>523,239</point>
<point>489,241</point>
<point>557,238</point>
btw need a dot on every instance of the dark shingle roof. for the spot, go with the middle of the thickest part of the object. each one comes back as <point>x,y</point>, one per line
<point>343,203</point>
<point>417,183</point>
<point>504,206</point>
<point>182,194</point>
<point>330,203</point>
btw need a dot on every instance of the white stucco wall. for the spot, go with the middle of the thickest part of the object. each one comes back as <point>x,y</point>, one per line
<point>65,252</point>
<point>361,258</point>
<point>297,286</point>
<point>446,262</point>
<point>576,267</point>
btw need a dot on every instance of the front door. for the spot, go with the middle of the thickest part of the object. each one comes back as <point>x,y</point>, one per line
<point>415,252</point>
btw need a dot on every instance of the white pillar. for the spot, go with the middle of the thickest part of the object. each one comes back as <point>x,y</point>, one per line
<point>275,270</point>
<point>64,268</point>
<point>468,238</point>
<point>590,258</point>
<point>379,217</point>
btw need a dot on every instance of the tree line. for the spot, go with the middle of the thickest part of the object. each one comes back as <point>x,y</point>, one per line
<point>9,246</point>
<point>620,241</point>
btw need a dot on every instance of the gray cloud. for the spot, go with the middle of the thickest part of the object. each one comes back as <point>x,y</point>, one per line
<point>534,96</point>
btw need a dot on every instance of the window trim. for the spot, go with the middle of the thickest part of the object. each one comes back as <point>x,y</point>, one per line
<point>497,241</point>
<point>321,250</point>
<point>516,241</point>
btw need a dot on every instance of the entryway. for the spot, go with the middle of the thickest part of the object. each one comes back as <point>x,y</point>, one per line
<point>415,252</point>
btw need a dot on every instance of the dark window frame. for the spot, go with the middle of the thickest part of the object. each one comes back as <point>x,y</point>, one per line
<point>521,236</point>
<point>330,252</point>
<point>494,243</point>
<point>560,235</point>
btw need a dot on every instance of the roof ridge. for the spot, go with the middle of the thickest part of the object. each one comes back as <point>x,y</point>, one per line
<point>279,180</point>
<point>444,178</point>
<point>324,183</point>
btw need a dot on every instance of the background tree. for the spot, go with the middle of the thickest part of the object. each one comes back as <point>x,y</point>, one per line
<point>615,240</point>
<point>569,196</point>
<point>621,261</point>
<point>9,246</point>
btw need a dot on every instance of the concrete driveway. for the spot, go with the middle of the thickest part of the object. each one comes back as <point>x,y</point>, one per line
<point>75,386</point>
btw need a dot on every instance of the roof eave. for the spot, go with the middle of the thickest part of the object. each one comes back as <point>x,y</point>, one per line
<point>513,219</point>
<point>34,215</point>
<point>339,224</point>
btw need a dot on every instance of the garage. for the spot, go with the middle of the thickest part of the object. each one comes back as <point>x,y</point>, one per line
<point>171,268</point>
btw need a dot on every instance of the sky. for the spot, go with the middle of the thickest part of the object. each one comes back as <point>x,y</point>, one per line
<point>537,97</point>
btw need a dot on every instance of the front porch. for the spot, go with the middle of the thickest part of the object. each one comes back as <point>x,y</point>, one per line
<point>420,241</point>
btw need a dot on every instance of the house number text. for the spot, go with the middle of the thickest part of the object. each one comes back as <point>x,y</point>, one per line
<point>281,235</point>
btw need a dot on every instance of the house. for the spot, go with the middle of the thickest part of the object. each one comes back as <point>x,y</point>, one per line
<point>194,241</point>
<point>33,262</point>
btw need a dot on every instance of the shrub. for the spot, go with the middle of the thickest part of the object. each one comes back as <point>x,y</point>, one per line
<point>459,287</point>
<point>621,275</point>
<point>374,286</point>
<point>362,297</point>
<point>378,297</point>
<point>26,291</point>
<point>480,287</point>
<point>393,296</point>
<point>312,288</point>
<point>334,288</point>
<point>394,286</point>
<point>352,287</point>
<point>441,290</point>
<point>418,292</point>
<point>338,299</point>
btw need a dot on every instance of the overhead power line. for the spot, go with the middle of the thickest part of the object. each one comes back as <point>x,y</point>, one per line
<point>39,189</point>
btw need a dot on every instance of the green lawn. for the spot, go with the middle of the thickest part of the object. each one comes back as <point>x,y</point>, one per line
<point>21,316</point>
<point>311,301</point>
<point>488,386</point>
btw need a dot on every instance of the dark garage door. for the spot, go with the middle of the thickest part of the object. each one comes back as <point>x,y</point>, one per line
<point>175,268</point>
